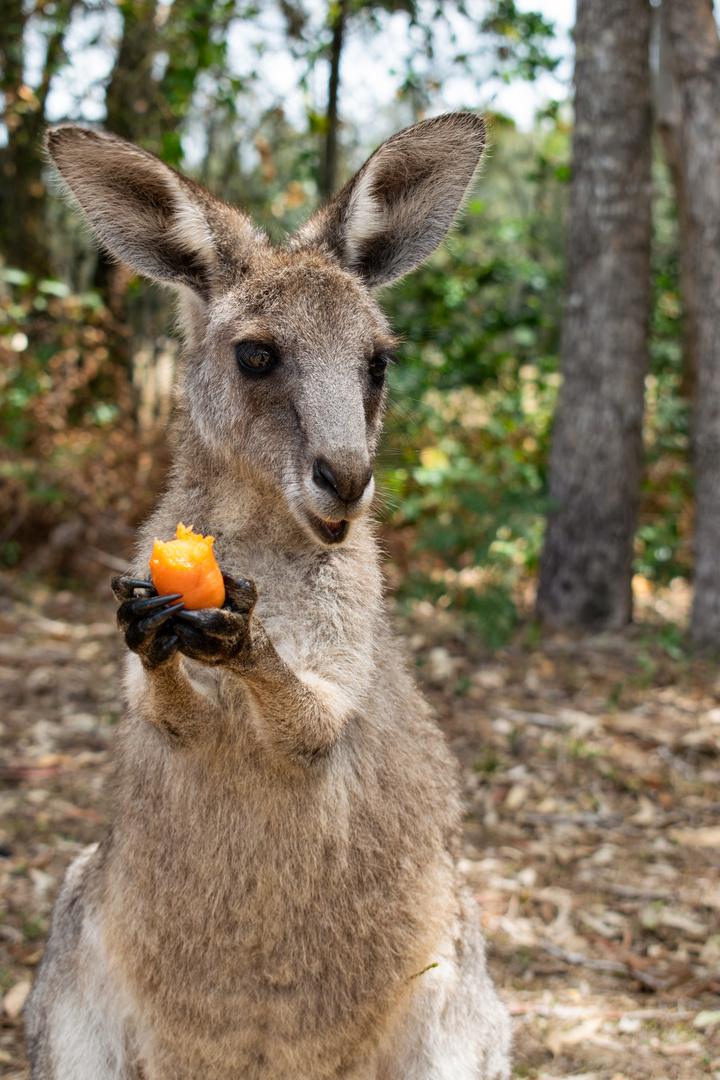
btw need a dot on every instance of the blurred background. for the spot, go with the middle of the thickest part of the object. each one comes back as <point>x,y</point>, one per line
<point>577,294</point>
<point>550,504</point>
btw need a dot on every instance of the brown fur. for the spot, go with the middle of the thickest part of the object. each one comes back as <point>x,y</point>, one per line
<point>276,899</point>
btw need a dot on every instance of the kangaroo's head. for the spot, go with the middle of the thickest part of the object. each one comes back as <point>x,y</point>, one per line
<point>286,348</point>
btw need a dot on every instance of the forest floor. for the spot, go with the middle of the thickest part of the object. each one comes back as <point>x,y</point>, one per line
<point>592,777</point>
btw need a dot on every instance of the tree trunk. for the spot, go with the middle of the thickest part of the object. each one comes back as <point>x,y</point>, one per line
<point>596,460</point>
<point>130,109</point>
<point>667,109</point>
<point>695,58</point>
<point>22,193</point>
<point>130,96</point>
<point>328,176</point>
<point>23,239</point>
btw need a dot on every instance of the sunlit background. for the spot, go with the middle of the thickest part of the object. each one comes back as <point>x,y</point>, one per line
<point>240,96</point>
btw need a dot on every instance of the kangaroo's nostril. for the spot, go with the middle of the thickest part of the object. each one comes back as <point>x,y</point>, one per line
<point>324,477</point>
<point>345,483</point>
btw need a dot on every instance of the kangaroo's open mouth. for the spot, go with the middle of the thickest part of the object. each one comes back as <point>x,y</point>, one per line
<point>331,532</point>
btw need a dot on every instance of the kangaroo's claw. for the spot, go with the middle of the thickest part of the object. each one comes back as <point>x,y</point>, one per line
<point>153,622</point>
<point>124,587</point>
<point>135,608</point>
<point>140,583</point>
<point>212,620</point>
<point>191,616</point>
<point>142,637</point>
<point>146,619</point>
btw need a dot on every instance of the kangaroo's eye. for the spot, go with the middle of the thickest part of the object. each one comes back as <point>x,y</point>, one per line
<point>254,357</point>
<point>378,365</point>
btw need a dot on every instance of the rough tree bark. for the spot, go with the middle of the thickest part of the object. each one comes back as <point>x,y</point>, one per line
<point>667,110</point>
<point>596,460</point>
<point>329,171</point>
<point>694,54</point>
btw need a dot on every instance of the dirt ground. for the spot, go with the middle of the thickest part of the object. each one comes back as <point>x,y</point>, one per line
<point>592,778</point>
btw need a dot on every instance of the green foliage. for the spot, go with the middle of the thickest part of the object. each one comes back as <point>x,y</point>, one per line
<point>281,187</point>
<point>473,397</point>
<point>193,40</point>
<point>67,406</point>
<point>466,465</point>
<point>489,761</point>
<point>521,39</point>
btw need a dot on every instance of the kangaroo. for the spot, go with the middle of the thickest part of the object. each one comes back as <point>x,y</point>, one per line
<point>276,898</point>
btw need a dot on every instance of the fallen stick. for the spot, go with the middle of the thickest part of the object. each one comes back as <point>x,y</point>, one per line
<point>602,821</point>
<point>604,965</point>
<point>565,1012</point>
<point>630,892</point>
<point>535,718</point>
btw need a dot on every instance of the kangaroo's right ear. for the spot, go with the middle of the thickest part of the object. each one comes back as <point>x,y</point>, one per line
<point>145,213</point>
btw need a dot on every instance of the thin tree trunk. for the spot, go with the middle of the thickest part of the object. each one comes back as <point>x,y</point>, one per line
<point>596,460</point>
<point>328,177</point>
<point>22,193</point>
<point>695,58</point>
<point>129,112</point>
<point>130,96</point>
<point>23,239</point>
<point>667,108</point>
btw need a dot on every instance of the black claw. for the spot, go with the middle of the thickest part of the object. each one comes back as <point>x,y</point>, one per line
<point>139,606</point>
<point>192,616</point>
<point>156,620</point>
<point>209,620</point>
<point>137,583</point>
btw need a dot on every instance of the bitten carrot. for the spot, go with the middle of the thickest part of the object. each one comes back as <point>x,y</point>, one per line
<point>187,565</point>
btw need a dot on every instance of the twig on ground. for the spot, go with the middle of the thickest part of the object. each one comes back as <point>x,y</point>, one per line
<point>603,821</point>
<point>604,965</point>
<point>543,720</point>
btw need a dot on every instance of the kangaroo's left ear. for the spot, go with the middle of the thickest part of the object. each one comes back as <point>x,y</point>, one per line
<point>397,209</point>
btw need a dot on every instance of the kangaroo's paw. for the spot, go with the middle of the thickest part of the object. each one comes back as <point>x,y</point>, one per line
<point>147,620</point>
<point>220,636</point>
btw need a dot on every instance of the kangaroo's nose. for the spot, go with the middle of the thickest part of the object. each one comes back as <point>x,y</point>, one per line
<point>344,483</point>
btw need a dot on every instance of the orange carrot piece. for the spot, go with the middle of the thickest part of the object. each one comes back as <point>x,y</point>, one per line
<point>187,565</point>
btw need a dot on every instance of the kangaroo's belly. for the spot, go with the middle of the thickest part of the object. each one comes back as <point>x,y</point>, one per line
<point>262,920</point>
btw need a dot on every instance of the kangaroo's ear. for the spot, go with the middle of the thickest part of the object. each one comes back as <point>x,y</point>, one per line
<point>153,218</point>
<point>397,209</point>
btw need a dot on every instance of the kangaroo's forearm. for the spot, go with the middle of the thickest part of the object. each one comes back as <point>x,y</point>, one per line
<point>299,714</point>
<point>170,702</point>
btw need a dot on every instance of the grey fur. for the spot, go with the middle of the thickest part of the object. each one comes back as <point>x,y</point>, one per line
<point>277,898</point>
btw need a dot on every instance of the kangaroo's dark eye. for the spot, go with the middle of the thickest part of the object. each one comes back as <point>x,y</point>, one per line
<point>378,365</point>
<point>254,357</point>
